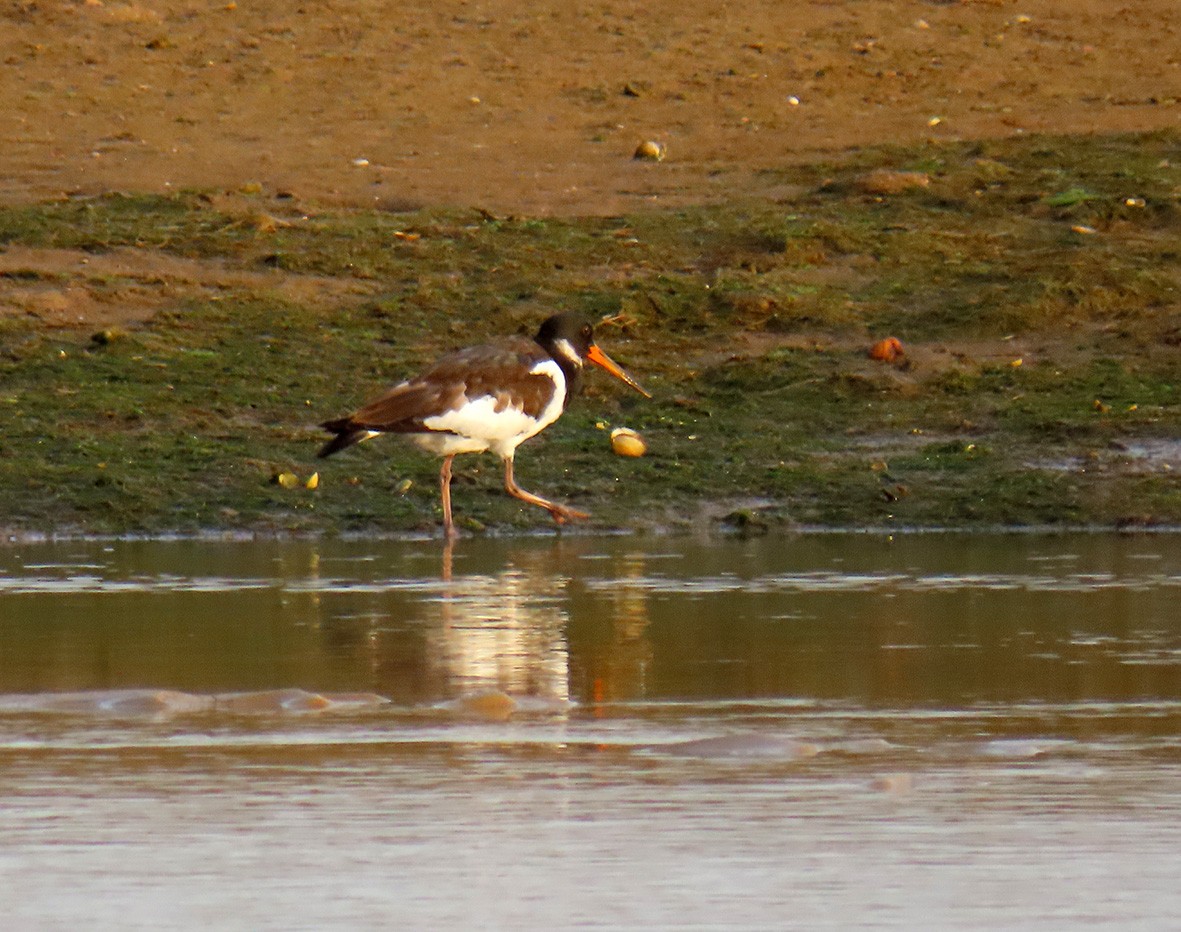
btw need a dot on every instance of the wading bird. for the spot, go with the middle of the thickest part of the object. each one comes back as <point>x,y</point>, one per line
<point>491,397</point>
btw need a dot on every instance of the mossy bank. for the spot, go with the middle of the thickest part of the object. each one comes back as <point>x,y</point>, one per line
<point>163,360</point>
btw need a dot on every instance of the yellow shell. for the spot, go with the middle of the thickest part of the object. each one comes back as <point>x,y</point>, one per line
<point>650,150</point>
<point>626,442</point>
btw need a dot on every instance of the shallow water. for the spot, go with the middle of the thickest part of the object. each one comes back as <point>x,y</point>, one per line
<point>818,732</point>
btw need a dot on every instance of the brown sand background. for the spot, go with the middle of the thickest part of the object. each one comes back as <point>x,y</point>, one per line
<point>536,107</point>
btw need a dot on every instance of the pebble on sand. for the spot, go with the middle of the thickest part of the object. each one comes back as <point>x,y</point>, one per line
<point>650,151</point>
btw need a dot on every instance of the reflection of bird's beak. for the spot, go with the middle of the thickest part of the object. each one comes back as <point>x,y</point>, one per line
<point>603,361</point>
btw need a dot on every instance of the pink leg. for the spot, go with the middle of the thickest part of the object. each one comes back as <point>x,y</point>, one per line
<point>560,513</point>
<point>445,492</point>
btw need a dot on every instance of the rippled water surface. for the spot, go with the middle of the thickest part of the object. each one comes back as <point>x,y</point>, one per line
<point>819,732</point>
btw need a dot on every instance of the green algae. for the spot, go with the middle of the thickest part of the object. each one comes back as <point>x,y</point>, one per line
<point>1034,283</point>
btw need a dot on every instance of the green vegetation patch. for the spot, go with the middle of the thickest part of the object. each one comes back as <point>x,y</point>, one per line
<point>1033,284</point>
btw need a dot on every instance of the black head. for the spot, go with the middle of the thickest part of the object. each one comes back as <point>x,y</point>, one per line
<point>570,339</point>
<point>567,337</point>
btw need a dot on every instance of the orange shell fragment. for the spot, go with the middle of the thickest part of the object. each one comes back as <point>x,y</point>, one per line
<point>887,350</point>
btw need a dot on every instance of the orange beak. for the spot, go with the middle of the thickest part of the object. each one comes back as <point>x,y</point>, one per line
<point>603,361</point>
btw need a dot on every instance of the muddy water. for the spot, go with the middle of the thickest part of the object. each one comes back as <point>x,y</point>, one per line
<point>819,732</point>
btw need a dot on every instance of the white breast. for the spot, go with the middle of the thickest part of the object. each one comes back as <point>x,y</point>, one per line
<point>476,425</point>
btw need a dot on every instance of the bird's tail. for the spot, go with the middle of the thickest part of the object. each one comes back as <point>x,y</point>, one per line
<point>347,433</point>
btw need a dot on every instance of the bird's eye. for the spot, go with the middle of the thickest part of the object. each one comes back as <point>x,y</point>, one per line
<point>586,331</point>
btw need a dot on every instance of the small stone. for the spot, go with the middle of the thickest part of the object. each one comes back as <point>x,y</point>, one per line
<point>650,151</point>
<point>107,336</point>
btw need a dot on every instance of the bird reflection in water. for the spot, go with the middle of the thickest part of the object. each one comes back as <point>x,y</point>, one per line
<point>504,635</point>
<point>489,627</point>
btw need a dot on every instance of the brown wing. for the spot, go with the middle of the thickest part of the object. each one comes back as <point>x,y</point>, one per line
<point>500,370</point>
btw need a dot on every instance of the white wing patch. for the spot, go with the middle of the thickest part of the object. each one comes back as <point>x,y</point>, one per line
<point>476,425</point>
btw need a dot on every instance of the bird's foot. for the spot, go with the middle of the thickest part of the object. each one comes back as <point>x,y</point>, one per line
<point>563,514</point>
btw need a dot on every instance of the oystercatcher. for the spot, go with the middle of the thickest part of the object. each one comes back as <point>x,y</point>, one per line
<point>491,397</point>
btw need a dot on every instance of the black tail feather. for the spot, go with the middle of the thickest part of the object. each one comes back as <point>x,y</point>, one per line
<point>347,433</point>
